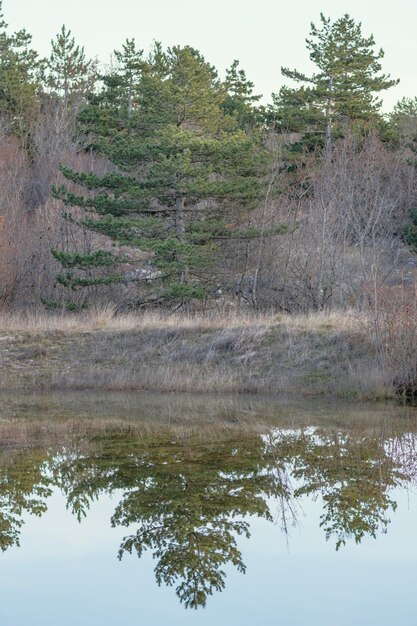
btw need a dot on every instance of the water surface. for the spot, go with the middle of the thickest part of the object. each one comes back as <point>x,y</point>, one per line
<point>163,509</point>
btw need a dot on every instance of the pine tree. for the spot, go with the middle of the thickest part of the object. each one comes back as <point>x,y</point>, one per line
<point>403,123</point>
<point>343,89</point>
<point>112,111</point>
<point>184,176</point>
<point>20,76</point>
<point>130,61</point>
<point>69,72</point>
<point>240,99</point>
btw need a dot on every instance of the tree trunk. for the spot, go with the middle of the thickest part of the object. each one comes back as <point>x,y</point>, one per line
<point>328,134</point>
<point>183,273</point>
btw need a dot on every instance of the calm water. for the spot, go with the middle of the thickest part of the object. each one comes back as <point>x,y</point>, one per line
<point>165,510</point>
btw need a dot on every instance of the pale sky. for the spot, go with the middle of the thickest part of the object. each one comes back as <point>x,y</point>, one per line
<point>263,35</point>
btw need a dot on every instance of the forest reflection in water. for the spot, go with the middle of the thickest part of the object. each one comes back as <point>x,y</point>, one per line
<point>187,494</point>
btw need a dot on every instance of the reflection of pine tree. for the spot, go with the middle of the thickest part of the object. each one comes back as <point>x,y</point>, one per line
<point>24,488</point>
<point>352,474</point>
<point>189,502</point>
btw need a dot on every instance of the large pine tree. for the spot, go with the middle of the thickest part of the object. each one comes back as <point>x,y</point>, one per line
<point>183,176</point>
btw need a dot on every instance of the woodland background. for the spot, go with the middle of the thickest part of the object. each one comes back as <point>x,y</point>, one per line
<point>154,183</point>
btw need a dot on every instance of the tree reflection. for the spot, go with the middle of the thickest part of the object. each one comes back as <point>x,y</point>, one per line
<point>188,499</point>
<point>353,475</point>
<point>24,488</point>
<point>189,502</point>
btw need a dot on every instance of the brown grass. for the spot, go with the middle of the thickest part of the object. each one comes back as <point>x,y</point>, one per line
<point>105,318</point>
<point>322,353</point>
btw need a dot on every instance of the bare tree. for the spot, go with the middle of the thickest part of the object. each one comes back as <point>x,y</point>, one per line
<point>347,214</point>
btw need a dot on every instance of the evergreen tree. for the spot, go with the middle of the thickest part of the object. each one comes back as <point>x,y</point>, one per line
<point>130,62</point>
<point>342,91</point>
<point>69,72</point>
<point>403,123</point>
<point>112,111</point>
<point>20,74</point>
<point>183,178</point>
<point>240,99</point>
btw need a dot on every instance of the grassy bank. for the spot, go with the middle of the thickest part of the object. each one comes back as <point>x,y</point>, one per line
<point>328,354</point>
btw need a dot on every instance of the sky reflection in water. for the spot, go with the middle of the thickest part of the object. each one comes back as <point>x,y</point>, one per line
<point>296,510</point>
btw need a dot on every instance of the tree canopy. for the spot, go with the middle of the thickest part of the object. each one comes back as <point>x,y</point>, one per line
<point>343,89</point>
<point>20,78</point>
<point>68,71</point>
<point>183,175</point>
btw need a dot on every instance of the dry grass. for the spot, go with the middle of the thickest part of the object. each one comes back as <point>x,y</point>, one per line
<point>370,380</point>
<point>105,318</point>
<point>322,353</point>
<point>324,321</point>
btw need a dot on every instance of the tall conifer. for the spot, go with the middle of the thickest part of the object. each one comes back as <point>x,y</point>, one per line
<point>344,88</point>
<point>69,72</point>
<point>183,175</point>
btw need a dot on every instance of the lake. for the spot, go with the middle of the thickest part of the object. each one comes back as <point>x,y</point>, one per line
<point>170,509</point>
